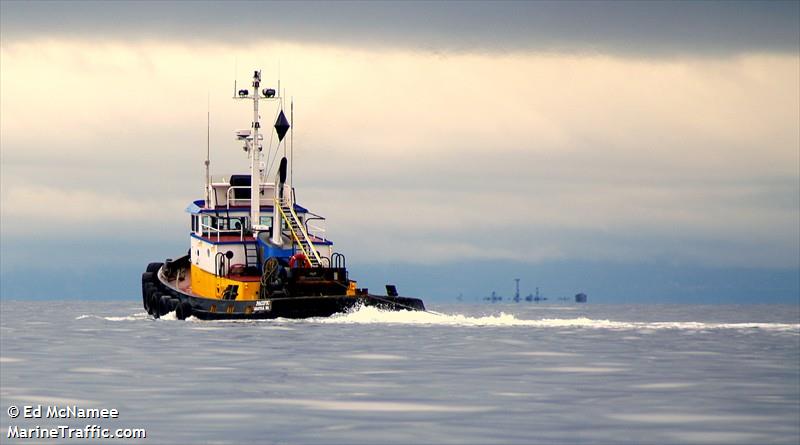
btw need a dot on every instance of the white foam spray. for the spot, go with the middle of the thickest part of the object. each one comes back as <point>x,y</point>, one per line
<point>371,315</point>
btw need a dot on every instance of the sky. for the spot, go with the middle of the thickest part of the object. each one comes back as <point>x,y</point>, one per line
<point>635,151</point>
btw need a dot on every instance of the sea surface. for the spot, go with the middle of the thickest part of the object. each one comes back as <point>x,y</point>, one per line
<point>472,374</point>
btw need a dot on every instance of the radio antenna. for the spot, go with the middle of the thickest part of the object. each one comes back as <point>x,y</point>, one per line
<point>291,145</point>
<point>235,73</point>
<point>208,148</point>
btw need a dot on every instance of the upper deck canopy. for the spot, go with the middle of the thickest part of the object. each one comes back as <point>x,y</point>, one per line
<point>198,207</point>
<point>234,192</point>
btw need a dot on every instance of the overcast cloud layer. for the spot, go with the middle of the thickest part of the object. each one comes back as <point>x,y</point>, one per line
<point>647,29</point>
<point>517,136</point>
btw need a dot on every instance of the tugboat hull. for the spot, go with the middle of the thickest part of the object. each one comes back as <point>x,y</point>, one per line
<point>254,251</point>
<point>160,297</point>
<point>297,307</point>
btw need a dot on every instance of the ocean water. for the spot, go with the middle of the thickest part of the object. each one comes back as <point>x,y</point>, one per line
<point>475,374</point>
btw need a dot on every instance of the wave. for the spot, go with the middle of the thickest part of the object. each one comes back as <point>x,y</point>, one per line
<point>372,315</point>
<point>132,317</point>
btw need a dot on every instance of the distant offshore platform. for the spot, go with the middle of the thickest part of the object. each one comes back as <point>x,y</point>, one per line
<point>533,297</point>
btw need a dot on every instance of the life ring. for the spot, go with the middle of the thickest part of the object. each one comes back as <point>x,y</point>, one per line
<point>300,258</point>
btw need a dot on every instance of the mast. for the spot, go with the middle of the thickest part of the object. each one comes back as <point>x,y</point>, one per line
<point>252,140</point>
<point>255,159</point>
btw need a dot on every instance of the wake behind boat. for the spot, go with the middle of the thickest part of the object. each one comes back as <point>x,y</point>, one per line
<point>254,251</point>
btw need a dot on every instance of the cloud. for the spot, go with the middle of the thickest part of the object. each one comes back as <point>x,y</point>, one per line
<point>34,210</point>
<point>423,157</point>
<point>649,29</point>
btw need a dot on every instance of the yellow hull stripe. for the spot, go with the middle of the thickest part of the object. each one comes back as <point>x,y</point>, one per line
<point>208,285</point>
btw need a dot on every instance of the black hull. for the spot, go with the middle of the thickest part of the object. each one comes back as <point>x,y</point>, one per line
<point>160,297</point>
<point>298,307</point>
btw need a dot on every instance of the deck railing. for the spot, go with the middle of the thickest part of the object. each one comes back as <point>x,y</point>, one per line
<point>316,231</point>
<point>231,201</point>
<point>211,230</point>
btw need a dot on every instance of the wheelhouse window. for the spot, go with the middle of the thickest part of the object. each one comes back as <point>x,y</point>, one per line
<point>209,224</point>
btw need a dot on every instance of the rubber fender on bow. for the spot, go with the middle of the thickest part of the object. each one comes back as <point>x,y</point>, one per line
<point>153,304</point>
<point>165,305</point>
<point>147,278</point>
<point>183,311</point>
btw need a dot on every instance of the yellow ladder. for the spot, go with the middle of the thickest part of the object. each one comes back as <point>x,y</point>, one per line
<point>299,233</point>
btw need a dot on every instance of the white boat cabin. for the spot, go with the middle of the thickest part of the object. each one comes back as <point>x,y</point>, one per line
<point>222,227</point>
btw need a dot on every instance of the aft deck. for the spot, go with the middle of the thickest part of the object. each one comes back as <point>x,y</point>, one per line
<point>184,284</point>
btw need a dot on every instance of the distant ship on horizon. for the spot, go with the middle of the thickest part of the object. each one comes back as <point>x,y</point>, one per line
<point>536,298</point>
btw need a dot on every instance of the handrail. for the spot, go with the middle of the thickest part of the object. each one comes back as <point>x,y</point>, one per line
<point>302,230</point>
<point>210,229</point>
<point>229,198</point>
<point>315,230</point>
<point>305,234</point>
<point>221,264</point>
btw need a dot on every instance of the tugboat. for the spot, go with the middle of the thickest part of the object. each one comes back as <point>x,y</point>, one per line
<point>254,252</point>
